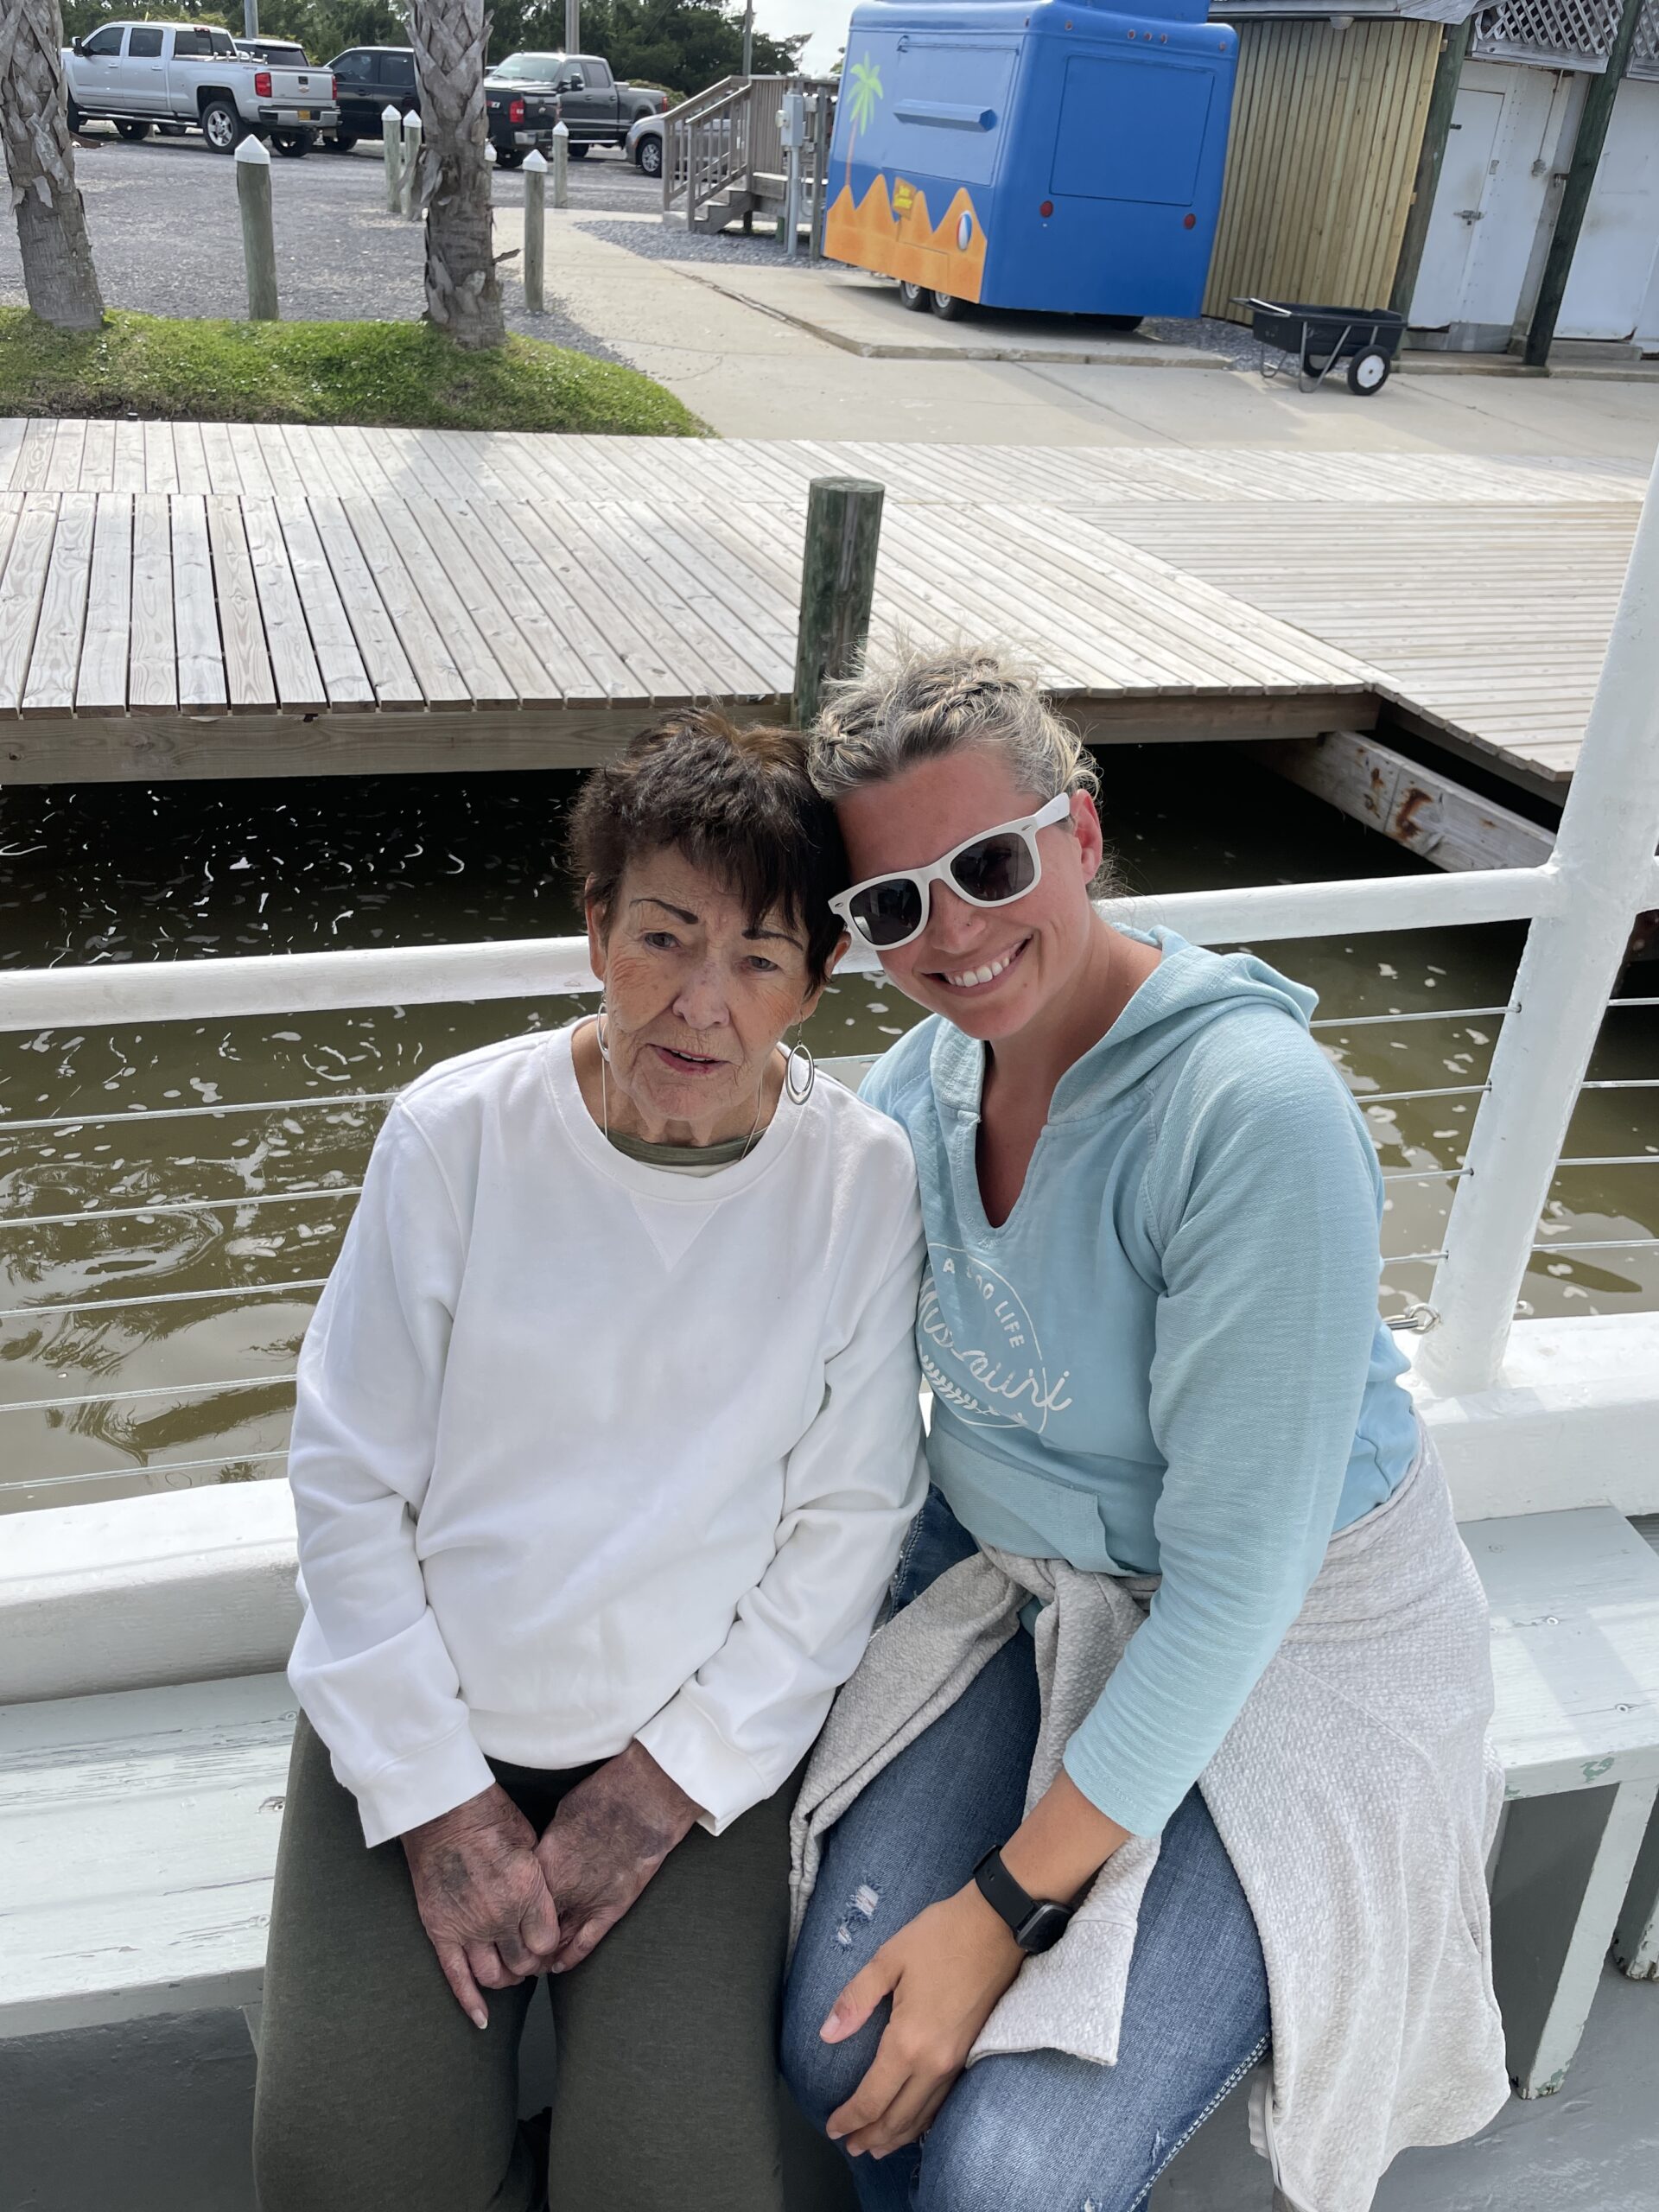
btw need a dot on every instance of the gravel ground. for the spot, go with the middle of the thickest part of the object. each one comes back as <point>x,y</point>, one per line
<point>659,242</point>
<point>167,239</point>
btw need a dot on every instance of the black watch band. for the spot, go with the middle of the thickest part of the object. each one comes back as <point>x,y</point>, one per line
<point>1036,1923</point>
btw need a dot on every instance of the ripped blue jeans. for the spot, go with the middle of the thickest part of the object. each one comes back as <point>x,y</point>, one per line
<point>1040,2132</point>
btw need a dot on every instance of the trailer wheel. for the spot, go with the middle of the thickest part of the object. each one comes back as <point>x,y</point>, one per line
<point>916,298</point>
<point>341,142</point>
<point>579,153</point>
<point>948,307</point>
<point>134,132</point>
<point>1367,372</point>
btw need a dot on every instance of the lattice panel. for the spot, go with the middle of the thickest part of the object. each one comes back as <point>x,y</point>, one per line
<point>1563,34</point>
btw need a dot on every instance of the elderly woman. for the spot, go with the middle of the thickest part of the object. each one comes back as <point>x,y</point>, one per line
<point>1180,1762</point>
<point>606,1439</point>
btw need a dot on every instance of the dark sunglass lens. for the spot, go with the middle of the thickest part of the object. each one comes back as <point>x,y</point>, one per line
<point>888,912</point>
<point>995,869</point>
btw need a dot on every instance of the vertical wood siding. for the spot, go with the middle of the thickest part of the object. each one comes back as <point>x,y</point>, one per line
<point>1326,128</point>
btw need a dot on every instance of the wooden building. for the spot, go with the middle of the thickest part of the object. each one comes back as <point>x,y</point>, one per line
<point>1413,154</point>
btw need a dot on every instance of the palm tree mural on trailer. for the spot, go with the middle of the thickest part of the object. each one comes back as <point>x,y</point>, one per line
<point>867,89</point>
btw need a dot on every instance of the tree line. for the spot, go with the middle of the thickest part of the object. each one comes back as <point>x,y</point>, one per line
<point>682,45</point>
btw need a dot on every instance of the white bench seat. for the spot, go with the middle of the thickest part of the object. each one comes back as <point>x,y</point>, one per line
<point>1575,1659</point>
<point>137,1843</point>
<point>138,1829</point>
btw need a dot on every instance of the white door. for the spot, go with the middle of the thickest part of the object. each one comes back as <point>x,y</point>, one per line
<point>1442,279</point>
<point>1615,256</point>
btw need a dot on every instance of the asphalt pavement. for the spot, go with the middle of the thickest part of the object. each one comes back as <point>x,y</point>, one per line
<point>167,235</point>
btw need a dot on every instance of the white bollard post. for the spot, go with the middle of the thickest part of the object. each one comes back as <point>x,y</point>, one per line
<point>561,166</point>
<point>534,228</point>
<point>391,145</point>
<point>1603,872</point>
<point>408,199</point>
<point>258,242</point>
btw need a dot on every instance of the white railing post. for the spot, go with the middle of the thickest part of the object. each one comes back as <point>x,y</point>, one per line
<point>1603,864</point>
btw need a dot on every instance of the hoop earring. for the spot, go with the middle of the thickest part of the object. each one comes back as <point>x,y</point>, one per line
<point>600,1037</point>
<point>800,1086</point>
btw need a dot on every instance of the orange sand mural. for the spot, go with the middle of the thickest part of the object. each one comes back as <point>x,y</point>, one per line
<point>892,235</point>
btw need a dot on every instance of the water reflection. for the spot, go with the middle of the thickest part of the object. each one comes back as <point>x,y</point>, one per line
<point>210,1203</point>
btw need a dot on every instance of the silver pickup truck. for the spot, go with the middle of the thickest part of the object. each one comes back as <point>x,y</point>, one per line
<point>138,75</point>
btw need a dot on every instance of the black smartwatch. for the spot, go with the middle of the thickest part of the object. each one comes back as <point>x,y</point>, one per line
<point>1037,1924</point>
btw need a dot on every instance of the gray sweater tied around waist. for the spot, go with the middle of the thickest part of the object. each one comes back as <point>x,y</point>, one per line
<point>1356,1796</point>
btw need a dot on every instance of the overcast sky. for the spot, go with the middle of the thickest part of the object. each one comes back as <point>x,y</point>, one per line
<point>827,19</point>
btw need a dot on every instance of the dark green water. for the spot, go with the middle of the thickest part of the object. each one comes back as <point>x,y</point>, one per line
<point>195,872</point>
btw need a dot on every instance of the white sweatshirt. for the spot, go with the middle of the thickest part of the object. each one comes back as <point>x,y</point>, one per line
<point>585,1450</point>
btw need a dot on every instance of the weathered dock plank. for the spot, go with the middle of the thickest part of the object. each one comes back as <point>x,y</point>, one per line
<point>153,680</point>
<point>101,681</point>
<point>50,685</point>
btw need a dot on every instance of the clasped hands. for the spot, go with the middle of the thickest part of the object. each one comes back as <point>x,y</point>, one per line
<point>500,1904</point>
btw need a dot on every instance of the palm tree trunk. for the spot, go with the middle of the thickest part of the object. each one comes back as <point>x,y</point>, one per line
<point>463,296</point>
<point>58,273</point>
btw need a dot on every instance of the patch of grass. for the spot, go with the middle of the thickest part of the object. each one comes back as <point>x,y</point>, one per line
<point>404,374</point>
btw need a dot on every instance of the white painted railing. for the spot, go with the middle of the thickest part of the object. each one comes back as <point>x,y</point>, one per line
<point>1580,905</point>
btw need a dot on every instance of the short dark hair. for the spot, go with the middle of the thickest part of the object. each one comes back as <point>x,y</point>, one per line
<point>738,803</point>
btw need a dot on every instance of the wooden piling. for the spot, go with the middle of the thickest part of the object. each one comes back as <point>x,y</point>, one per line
<point>534,228</point>
<point>561,165</point>
<point>258,240</point>
<point>392,146</point>
<point>409,194</point>
<point>843,531</point>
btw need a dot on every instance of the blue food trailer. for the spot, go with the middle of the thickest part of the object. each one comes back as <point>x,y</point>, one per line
<point>1053,155</point>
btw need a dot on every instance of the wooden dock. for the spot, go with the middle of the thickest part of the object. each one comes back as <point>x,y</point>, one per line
<point>206,599</point>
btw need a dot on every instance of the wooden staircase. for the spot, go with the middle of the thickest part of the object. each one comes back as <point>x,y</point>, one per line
<point>723,158</point>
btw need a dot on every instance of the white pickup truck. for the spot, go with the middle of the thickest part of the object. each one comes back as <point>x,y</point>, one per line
<point>137,75</point>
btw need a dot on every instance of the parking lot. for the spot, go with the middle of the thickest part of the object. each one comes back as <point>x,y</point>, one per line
<point>167,237</point>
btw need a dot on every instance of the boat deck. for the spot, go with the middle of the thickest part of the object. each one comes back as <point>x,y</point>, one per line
<point>182,599</point>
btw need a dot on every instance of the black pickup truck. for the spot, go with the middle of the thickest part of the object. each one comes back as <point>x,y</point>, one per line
<point>594,108</point>
<point>374,78</point>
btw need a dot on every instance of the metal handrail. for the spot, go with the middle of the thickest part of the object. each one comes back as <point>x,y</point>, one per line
<point>137,1114</point>
<point>1387,1021</point>
<point>116,1474</point>
<point>164,1206</point>
<point>149,1391</point>
<point>230,1292</point>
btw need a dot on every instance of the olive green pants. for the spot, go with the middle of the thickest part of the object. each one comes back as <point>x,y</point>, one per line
<point>377,2093</point>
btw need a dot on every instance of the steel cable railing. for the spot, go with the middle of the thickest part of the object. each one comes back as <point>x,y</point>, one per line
<point>1413,1319</point>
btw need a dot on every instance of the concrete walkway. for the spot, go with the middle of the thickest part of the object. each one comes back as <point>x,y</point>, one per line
<point>749,373</point>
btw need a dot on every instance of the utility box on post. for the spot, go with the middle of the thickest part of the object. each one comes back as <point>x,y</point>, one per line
<point>1057,157</point>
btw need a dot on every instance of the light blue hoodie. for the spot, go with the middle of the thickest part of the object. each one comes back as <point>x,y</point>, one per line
<point>1169,1358</point>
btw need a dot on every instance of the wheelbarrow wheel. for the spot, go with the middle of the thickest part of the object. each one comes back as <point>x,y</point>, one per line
<point>916,298</point>
<point>948,307</point>
<point>1367,372</point>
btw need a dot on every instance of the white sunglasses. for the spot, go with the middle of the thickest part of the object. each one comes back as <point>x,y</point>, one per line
<point>987,870</point>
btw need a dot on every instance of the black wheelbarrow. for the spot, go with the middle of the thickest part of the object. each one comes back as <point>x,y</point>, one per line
<point>1317,338</point>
